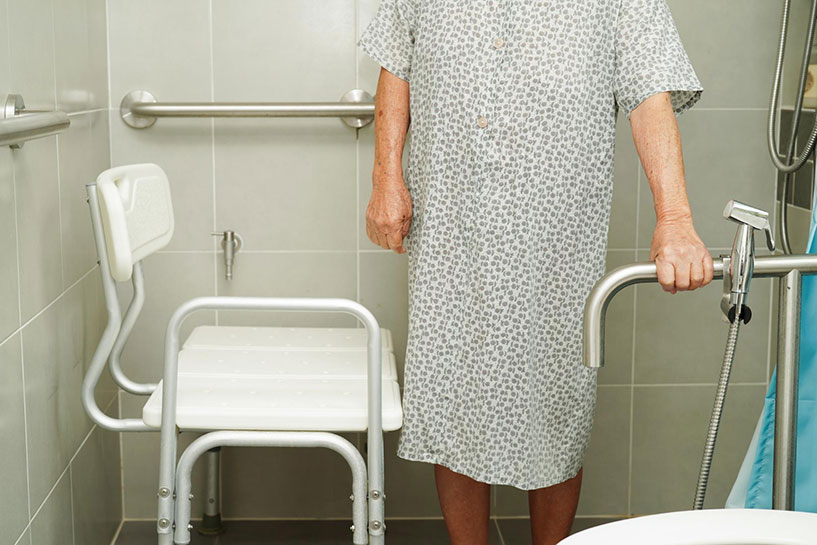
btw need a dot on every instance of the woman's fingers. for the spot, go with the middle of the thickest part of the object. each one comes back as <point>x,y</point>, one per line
<point>709,268</point>
<point>696,274</point>
<point>395,242</point>
<point>666,275</point>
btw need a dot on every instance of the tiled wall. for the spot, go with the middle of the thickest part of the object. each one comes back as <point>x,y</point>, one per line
<point>297,190</point>
<point>59,476</point>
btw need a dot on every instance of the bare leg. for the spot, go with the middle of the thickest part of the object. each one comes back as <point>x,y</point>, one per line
<point>552,510</point>
<point>466,506</point>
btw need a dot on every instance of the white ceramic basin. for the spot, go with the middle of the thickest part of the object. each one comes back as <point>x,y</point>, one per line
<point>708,527</point>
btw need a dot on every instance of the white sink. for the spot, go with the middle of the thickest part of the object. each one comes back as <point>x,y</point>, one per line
<point>708,527</point>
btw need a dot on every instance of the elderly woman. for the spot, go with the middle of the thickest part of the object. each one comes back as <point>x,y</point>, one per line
<point>504,209</point>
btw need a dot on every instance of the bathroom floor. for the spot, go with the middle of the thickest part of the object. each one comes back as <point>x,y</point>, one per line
<point>335,532</point>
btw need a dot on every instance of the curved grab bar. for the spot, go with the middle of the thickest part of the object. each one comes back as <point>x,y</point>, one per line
<point>605,289</point>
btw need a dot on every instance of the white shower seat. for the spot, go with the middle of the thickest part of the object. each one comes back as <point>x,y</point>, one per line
<point>243,386</point>
<point>293,338</point>
<point>277,378</point>
<point>263,403</point>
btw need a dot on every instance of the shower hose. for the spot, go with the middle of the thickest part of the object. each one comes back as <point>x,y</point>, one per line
<point>717,410</point>
<point>787,166</point>
<point>791,163</point>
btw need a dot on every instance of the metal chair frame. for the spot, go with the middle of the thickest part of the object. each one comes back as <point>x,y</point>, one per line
<point>174,481</point>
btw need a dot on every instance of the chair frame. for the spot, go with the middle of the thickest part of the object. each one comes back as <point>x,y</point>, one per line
<point>173,516</point>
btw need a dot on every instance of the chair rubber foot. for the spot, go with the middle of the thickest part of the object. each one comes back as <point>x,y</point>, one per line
<point>211,525</point>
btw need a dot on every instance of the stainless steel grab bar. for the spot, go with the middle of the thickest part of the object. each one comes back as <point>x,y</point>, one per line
<point>595,307</point>
<point>789,269</point>
<point>18,126</point>
<point>140,109</point>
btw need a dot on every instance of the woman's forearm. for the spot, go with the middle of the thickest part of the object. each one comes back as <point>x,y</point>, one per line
<point>391,108</point>
<point>658,142</point>
<point>388,216</point>
<point>681,258</point>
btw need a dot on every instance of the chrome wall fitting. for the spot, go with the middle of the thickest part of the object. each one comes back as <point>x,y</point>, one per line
<point>231,243</point>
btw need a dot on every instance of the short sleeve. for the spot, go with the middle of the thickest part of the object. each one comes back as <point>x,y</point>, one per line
<point>650,57</point>
<point>389,38</point>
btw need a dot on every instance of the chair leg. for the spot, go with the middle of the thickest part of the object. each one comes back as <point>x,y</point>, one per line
<point>211,523</point>
<point>270,439</point>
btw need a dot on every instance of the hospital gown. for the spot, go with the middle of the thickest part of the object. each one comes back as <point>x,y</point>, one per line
<point>513,109</point>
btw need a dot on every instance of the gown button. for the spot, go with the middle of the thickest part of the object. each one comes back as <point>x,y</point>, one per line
<point>482,121</point>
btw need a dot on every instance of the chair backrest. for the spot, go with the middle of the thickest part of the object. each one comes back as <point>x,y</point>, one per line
<point>136,213</point>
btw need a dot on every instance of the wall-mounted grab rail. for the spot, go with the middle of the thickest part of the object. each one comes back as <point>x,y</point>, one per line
<point>789,269</point>
<point>139,109</point>
<point>18,125</point>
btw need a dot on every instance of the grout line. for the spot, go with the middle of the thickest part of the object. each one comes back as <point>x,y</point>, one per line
<point>262,251</point>
<point>25,428</point>
<point>49,305</point>
<point>499,530</point>
<point>215,243</point>
<point>118,531</point>
<point>693,384</point>
<point>71,494</point>
<point>83,112</point>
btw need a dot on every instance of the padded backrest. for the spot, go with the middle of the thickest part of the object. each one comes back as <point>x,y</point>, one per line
<point>137,214</point>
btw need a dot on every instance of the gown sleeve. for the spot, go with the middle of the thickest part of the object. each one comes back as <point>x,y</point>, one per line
<point>389,37</point>
<point>650,58</point>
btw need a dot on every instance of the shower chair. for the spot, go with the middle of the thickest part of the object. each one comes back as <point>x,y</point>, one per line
<point>240,386</point>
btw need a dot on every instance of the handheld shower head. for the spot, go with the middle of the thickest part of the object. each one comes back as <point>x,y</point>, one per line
<point>738,274</point>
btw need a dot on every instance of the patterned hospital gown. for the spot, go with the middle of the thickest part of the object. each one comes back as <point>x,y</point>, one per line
<point>510,169</point>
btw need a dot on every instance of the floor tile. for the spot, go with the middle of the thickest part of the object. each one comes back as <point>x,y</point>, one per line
<point>144,533</point>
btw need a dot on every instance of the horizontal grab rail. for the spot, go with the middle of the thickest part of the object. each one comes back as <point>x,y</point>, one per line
<point>140,109</point>
<point>18,126</point>
<point>595,308</point>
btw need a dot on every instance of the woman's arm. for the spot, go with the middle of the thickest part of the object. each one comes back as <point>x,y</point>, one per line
<point>389,213</point>
<point>682,260</point>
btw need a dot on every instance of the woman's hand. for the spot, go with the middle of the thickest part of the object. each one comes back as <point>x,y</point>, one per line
<point>682,260</point>
<point>388,215</point>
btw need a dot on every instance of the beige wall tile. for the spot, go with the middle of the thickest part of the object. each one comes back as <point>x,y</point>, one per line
<point>726,157</point>
<point>283,51</point>
<point>183,148</point>
<point>384,291</point>
<point>53,525</point>
<point>82,81</point>
<point>83,155</point>
<point>680,338</point>
<point>285,482</point>
<point>410,487</point>
<point>287,184</point>
<point>9,287</point>
<point>5,77</point>
<point>140,462</point>
<point>38,224</point>
<point>31,41</point>
<point>96,489</point>
<point>284,274</point>
<point>736,67</point>
<point>161,47</point>
<point>170,280</point>
<point>14,515</point>
<point>669,430</point>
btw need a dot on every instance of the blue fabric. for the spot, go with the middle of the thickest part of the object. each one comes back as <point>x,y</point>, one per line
<point>753,488</point>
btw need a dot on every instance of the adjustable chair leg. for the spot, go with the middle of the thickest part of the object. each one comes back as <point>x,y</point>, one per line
<point>211,523</point>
